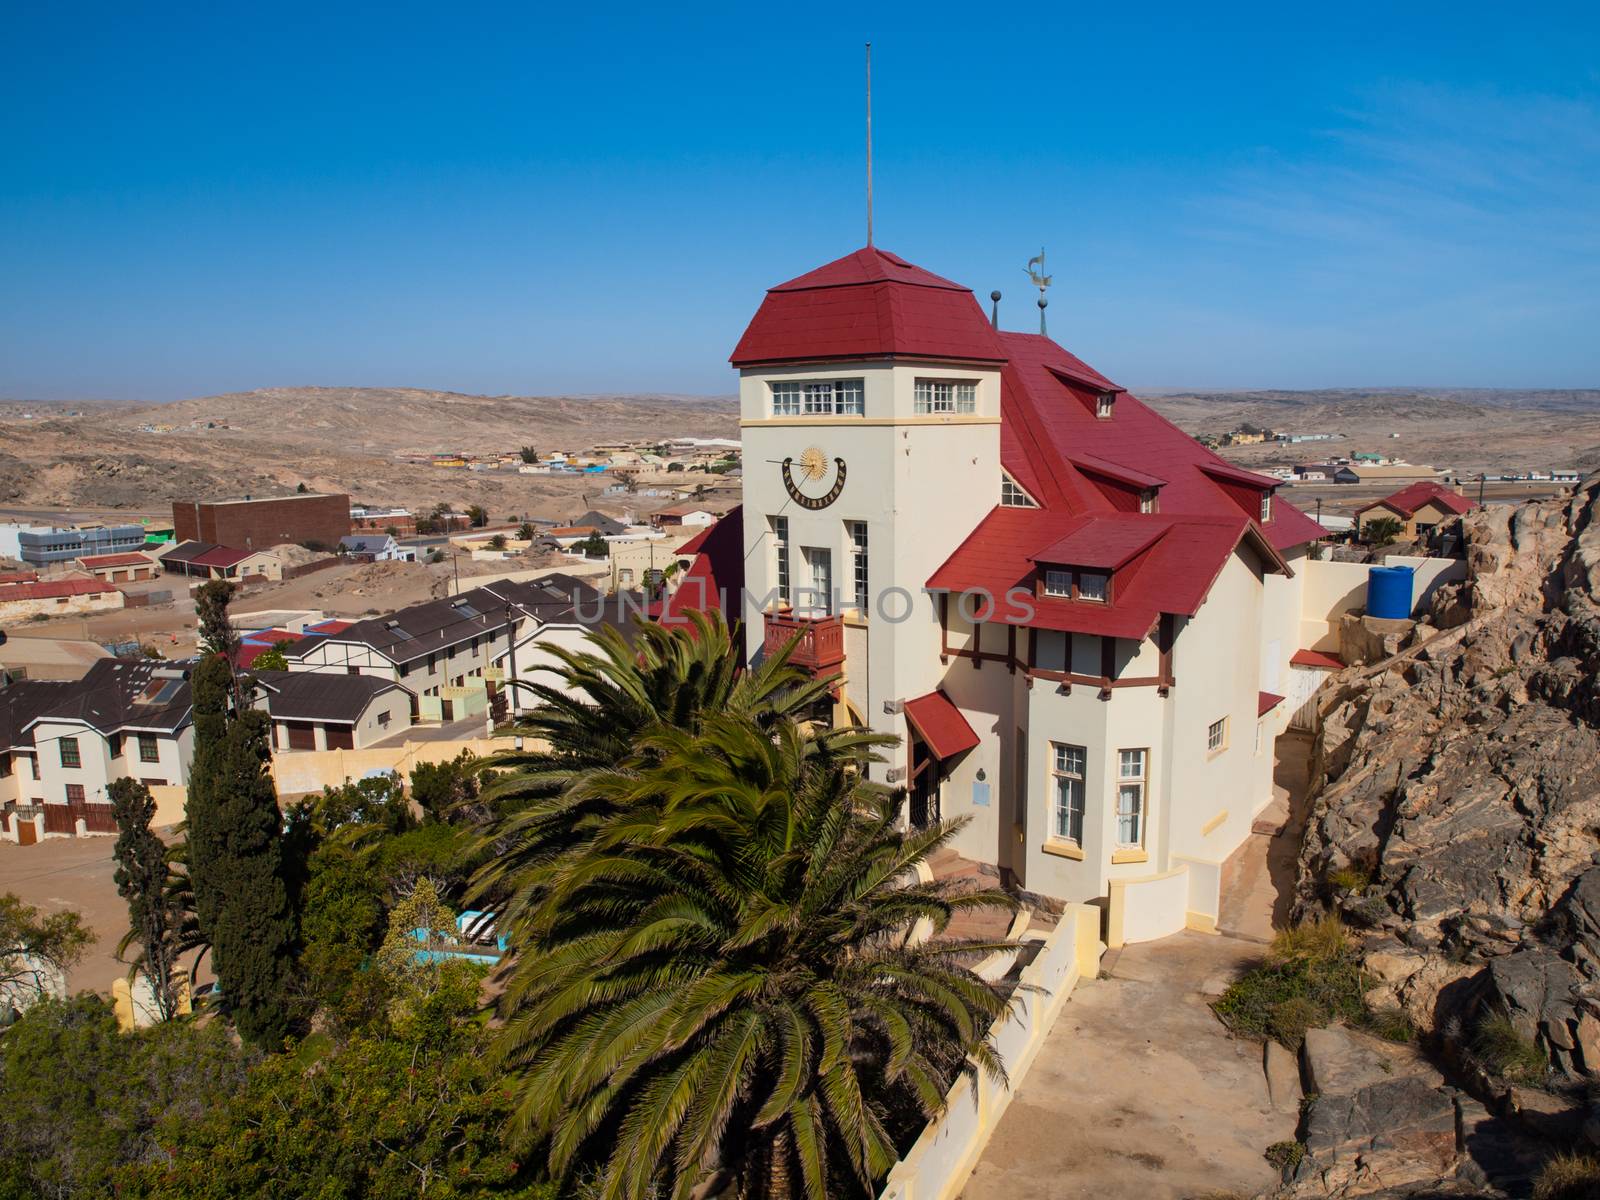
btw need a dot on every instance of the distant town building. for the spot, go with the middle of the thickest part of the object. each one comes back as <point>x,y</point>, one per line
<point>207,560</point>
<point>56,598</point>
<point>375,547</point>
<point>311,518</point>
<point>44,547</point>
<point>1420,508</point>
<point>682,516</point>
<point>369,519</point>
<point>131,567</point>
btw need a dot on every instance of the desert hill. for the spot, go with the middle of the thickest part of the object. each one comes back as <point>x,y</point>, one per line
<point>141,457</point>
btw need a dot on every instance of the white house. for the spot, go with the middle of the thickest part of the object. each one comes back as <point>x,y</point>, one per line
<point>63,742</point>
<point>1078,620</point>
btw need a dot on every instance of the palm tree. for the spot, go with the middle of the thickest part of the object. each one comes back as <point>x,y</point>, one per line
<point>717,982</point>
<point>613,694</point>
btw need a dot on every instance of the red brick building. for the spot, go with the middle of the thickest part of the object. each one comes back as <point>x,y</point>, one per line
<point>251,524</point>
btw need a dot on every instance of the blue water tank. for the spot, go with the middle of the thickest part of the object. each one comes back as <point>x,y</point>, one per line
<point>1389,592</point>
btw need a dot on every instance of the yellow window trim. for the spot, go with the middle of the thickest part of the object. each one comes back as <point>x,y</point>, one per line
<point>1063,850</point>
<point>1131,854</point>
<point>1215,821</point>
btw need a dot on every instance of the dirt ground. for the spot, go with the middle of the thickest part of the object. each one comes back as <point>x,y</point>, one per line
<point>1138,1093</point>
<point>73,873</point>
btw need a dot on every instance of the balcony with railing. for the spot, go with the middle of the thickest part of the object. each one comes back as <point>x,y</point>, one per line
<point>820,649</point>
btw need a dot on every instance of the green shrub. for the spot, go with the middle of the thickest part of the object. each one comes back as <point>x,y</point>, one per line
<point>1568,1177</point>
<point>1286,1156</point>
<point>1369,911</point>
<point>1310,977</point>
<point>1504,1051</point>
<point>1350,879</point>
<point>1288,1020</point>
<point>1391,1024</point>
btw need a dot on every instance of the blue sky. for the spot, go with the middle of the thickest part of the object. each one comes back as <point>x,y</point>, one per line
<point>196,199</point>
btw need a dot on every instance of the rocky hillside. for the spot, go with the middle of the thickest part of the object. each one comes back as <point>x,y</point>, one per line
<point>1459,816</point>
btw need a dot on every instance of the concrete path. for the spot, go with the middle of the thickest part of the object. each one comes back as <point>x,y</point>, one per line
<point>1138,1093</point>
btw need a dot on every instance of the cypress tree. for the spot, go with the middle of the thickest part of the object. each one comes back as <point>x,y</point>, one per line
<point>253,934</point>
<point>236,858</point>
<point>141,879</point>
<point>209,687</point>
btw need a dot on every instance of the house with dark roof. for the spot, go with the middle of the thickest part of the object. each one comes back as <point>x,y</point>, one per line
<point>319,710</point>
<point>1077,619</point>
<point>1420,508</point>
<point>375,547</point>
<point>208,560</point>
<point>447,652</point>
<point>63,742</point>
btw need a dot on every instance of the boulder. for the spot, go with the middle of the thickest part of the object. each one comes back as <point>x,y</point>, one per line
<point>1283,1077</point>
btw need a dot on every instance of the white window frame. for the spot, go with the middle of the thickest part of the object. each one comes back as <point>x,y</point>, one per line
<point>1266,506</point>
<point>860,576</point>
<point>942,397</point>
<point>1104,586</point>
<point>780,559</point>
<point>1013,494</point>
<point>1103,405</point>
<point>1069,782</point>
<point>1058,583</point>
<point>819,397</point>
<point>1217,736</point>
<point>1132,797</point>
<point>819,569</point>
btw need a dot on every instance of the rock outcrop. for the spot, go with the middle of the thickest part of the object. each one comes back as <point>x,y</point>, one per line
<point>1458,817</point>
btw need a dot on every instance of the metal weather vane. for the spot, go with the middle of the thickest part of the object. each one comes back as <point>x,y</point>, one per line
<point>1040,281</point>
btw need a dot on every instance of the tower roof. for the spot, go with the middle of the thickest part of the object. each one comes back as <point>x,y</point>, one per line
<point>869,304</point>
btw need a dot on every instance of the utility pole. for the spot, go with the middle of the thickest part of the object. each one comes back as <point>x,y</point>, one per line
<point>511,659</point>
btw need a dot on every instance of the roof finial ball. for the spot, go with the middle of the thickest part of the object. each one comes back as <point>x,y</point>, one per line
<point>1042,303</point>
<point>994,312</point>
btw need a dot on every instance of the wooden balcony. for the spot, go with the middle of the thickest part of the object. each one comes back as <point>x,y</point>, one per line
<point>821,646</point>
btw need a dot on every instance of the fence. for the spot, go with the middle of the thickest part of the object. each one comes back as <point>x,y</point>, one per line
<point>304,771</point>
<point>937,1166</point>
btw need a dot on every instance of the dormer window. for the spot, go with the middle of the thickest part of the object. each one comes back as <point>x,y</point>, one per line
<point>1266,506</point>
<point>1103,405</point>
<point>1075,583</point>
<point>1012,495</point>
<point>936,396</point>
<point>1148,501</point>
<point>819,398</point>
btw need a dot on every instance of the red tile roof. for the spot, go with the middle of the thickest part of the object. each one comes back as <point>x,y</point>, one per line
<point>715,579</point>
<point>97,562</point>
<point>330,626</point>
<point>865,305</point>
<point>1317,658</point>
<point>272,636</point>
<point>1266,702</point>
<point>941,725</point>
<point>1171,573</point>
<point>52,589</point>
<point>1408,499</point>
<point>18,576</point>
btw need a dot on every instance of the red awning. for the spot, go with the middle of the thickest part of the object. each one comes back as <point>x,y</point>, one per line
<point>1266,702</point>
<point>940,724</point>
<point>1317,658</point>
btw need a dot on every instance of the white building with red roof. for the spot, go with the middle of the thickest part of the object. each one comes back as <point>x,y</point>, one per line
<point>1078,619</point>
